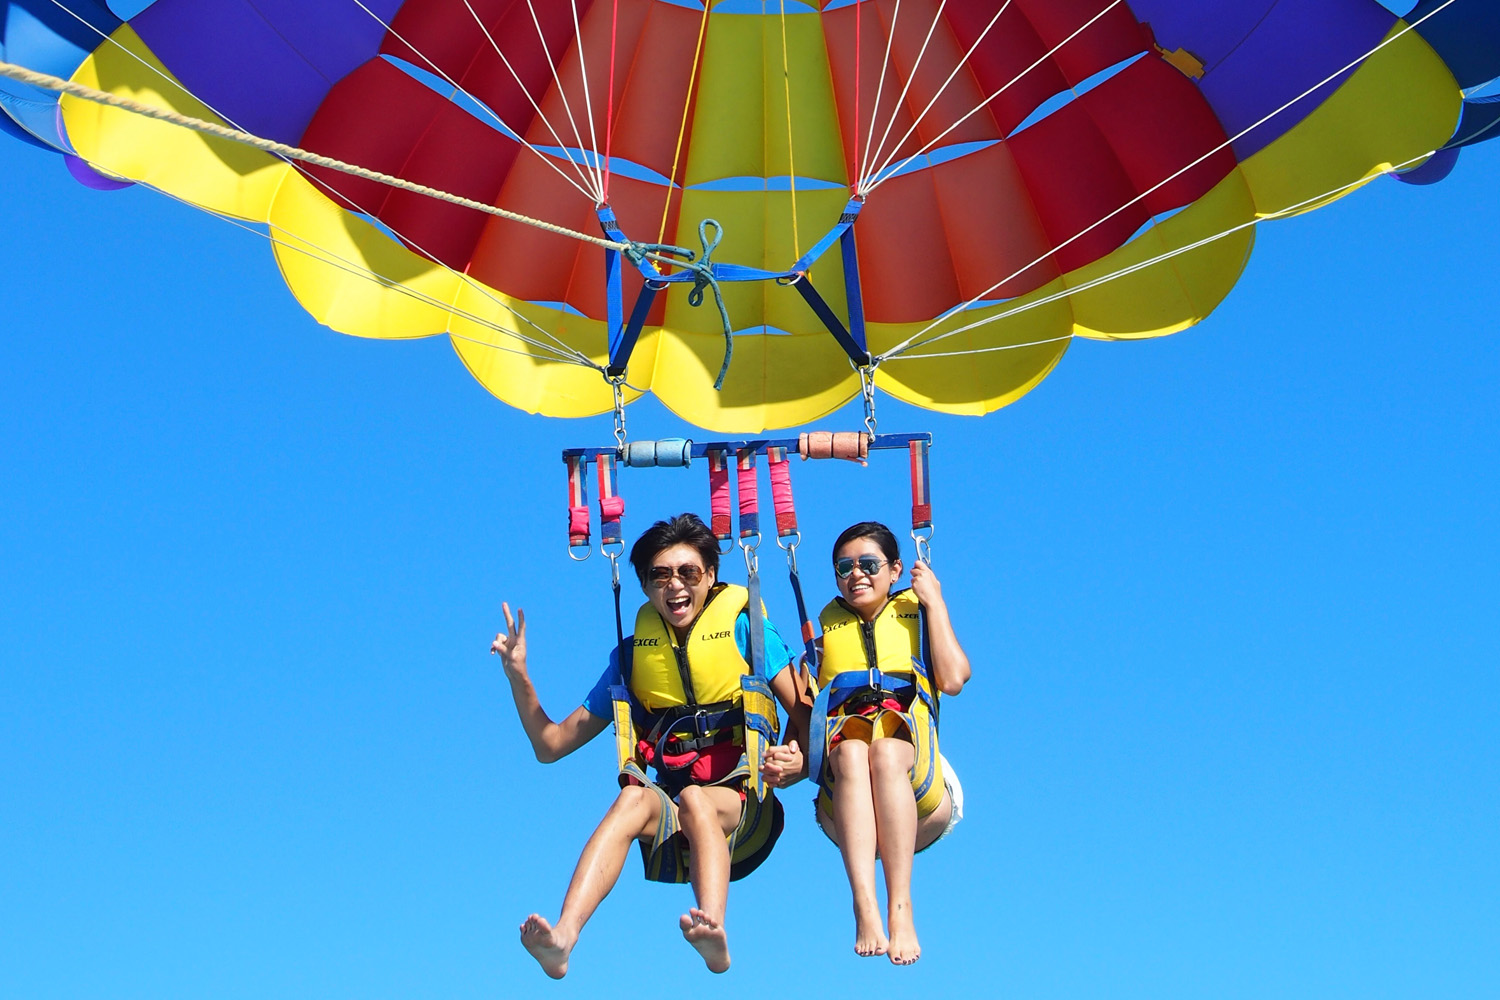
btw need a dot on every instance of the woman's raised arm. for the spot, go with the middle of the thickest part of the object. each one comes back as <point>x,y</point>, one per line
<point>950,664</point>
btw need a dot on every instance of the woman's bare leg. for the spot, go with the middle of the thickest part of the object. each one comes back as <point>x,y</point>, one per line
<point>896,834</point>
<point>634,815</point>
<point>854,823</point>
<point>708,815</point>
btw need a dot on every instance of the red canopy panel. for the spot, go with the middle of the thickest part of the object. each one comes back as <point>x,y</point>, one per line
<point>1008,75</point>
<point>539,266</point>
<point>934,238</point>
<point>445,39</point>
<point>381,118</point>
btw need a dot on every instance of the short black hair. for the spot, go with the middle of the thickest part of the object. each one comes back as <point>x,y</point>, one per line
<point>684,529</point>
<point>883,536</point>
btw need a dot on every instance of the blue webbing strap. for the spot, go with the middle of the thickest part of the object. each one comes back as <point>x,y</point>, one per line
<point>853,347</point>
<point>818,737</point>
<point>705,274</point>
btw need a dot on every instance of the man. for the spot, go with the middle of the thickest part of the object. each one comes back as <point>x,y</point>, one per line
<point>684,680</point>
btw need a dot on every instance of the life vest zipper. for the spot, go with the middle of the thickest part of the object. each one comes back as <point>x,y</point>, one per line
<point>690,698</point>
<point>867,639</point>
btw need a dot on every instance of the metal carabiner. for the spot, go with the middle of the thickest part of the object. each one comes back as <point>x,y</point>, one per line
<point>752,562</point>
<point>924,544</point>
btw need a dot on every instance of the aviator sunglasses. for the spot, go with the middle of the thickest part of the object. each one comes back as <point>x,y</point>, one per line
<point>660,576</point>
<point>868,565</point>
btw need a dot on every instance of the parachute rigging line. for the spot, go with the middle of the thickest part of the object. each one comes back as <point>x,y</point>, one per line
<point>870,181</point>
<point>47,82</point>
<point>490,111</point>
<point>588,103</point>
<point>326,256</point>
<point>916,338</point>
<point>791,158</point>
<point>885,65</point>
<point>687,104</point>
<point>565,353</point>
<point>1290,210</point>
<point>911,75</point>
<point>535,106</point>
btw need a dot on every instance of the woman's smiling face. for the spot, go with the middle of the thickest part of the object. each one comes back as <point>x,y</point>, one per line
<point>863,591</point>
<point>667,588</point>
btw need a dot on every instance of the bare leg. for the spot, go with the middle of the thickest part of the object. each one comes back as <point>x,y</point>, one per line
<point>896,833</point>
<point>854,822</point>
<point>707,816</point>
<point>634,814</point>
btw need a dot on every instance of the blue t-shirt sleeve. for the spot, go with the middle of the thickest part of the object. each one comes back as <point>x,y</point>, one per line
<point>778,657</point>
<point>598,701</point>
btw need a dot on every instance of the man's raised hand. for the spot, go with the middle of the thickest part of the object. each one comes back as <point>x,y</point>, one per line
<point>511,644</point>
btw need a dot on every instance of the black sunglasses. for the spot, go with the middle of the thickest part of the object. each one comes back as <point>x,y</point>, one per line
<point>660,576</point>
<point>868,565</point>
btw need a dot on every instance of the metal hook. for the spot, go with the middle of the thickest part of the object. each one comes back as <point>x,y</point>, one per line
<point>924,545</point>
<point>573,553</point>
<point>617,383</point>
<point>752,562</point>
<point>867,395</point>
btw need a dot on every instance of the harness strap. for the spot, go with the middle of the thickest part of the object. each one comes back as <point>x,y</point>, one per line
<point>781,492</point>
<point>611,505</point>
<point>749,491</point>
<point>921,497</point>
<point>786,527</point>
<point>578,501</point>
<point>718,496</point>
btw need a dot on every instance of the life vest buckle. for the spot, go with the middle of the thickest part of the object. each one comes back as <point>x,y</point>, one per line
<point>700,723</point>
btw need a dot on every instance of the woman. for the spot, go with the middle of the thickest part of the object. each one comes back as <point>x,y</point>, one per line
<point>884,658</point>
<point>686,687</point>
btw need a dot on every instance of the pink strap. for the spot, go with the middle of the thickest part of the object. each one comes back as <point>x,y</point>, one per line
<point>718,495</point>
<point>611,508</point>
<point>749,490</point>
<point>578,509</point>
<point>578,525</point>
<point>781,492</point>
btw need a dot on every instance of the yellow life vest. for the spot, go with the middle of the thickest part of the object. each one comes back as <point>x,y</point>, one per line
<point>709,662</point>
<point>889,644</point>
<point>860,660</point>
<point>707,672</point>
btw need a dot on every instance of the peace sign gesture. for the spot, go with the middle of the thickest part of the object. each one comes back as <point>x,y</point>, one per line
<point>511,644</point>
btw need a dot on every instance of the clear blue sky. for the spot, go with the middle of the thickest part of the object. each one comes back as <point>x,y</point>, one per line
<point>1230,597</point>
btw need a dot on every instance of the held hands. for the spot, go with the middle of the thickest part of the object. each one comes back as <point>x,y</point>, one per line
<point>924,583</point>
<point>511,644</point>
<point>784,765</point>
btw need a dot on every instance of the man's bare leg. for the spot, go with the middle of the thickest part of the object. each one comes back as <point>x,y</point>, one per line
<point>708,815</point>
<point>854,823</point>
<point>896,833</point>
<point>634,814</point>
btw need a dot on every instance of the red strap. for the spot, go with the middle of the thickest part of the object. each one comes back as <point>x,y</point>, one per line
<point>718,495</point>
<point>578,501</point>
<point>578,525</point>
<point>781,492</point>
<point>749,490</point>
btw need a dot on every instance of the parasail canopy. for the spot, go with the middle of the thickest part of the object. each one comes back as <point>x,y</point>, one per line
<point>935,194</point>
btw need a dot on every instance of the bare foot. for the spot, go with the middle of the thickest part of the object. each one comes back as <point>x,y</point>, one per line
<point>707,937</point>
<point>549,947</point>
<point>904,946</point>
<point>869,931</point>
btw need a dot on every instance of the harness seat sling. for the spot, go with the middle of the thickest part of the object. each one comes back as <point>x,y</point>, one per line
<point>678,700</point>
<point>866,668</point>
